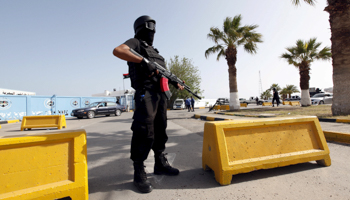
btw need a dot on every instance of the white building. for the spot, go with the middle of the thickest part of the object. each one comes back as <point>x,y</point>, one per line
<point>15,92</point>
<point>114,93</point>
<point>125,98</point>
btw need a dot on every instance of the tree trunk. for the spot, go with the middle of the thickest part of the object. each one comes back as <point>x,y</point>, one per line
<point>304,71</point>
<point>231,57</point>
<point>339,20</point>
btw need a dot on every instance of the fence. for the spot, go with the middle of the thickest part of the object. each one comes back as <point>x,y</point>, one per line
<point>15,107</point>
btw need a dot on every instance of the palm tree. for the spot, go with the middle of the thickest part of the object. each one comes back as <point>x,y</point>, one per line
<point>284,93</point>
<point>339,10</point>
<point>301,57</point>
<point>266,95</point>
<point>290,89</point>
<point>275,85</point>
<point>226,44</point>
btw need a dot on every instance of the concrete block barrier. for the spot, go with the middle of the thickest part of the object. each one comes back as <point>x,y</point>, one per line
<point>43,121</point>
<point>244,105</point>
<point>267,104</point>
<point>48,166</point>
<point>286,102</point>
<point>241,146</point>
<point>217,107</point>
<point>224,107</point>
<point>294,103</point>
<point>337,137</point>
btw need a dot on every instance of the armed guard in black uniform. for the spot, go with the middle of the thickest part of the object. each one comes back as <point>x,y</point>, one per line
<point>150,121</point>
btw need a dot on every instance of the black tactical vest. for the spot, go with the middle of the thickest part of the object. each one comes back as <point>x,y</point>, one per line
<point>138,75</point>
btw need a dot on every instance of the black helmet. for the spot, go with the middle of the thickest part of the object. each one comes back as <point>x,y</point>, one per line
<point>144,22</point>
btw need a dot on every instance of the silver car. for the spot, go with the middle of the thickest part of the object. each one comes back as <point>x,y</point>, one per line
<point>322,98</point>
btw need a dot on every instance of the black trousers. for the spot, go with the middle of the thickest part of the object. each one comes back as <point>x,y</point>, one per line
<point>277,101</point>
<point>149,125</point>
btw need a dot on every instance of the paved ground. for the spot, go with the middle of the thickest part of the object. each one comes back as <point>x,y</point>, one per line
<point>110,169</point>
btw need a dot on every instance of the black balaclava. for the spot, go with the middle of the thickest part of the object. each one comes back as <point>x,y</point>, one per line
<point>146,35</point>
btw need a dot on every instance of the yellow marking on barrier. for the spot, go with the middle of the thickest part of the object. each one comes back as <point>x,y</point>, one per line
<point>12,121</point>
<point>240,146</point>
<point>210,118</point>
<point>197,116</point>
<point>244,105</point>
<point>337,137</point>
<point>43,121</point>
<point>0,126</point>
<point>201,108</point>
<point>286,102</point>
<point>49,166</point>
<point>267,104</point>
<point>217,107</point>
<point>294,103</point>
<point>343,120</point>
<point>224,107</point>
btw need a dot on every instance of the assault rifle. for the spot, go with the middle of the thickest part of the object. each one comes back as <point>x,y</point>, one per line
<point>165,76</point>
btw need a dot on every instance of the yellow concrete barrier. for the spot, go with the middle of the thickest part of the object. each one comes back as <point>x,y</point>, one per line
<point>294,103</point>
<point>48,166</point>
<point>233,147</point>
<point>217,107</point>
<point>337,136</point>
<point>267,104</point>
<point>286,102</point>
<point>224,107</point>
<point>244,105</point>
<point>43,121</point>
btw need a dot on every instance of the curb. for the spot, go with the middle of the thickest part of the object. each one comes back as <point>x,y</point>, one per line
<point>9,121</point>
<point>206,118</point>
<point>334,120</point>
<point>242,115</point>
<point>337,137</point>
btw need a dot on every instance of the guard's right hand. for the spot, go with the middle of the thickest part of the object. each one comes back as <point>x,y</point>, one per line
<point>150,67</point>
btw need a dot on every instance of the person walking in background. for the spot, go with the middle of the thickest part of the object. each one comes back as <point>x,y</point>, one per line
<point>188,104</point>
<point>275,97</point>
<point>257,100</point>
<point>192,103</point>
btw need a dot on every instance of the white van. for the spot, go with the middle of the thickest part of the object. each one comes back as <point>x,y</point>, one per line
<point>179,104</point>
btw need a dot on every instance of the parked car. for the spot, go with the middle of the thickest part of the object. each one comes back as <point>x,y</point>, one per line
<point>322,98</point>
<point>251,100</point>
<point>179,104</point>
<point>99,108</point>
<point>222,101</point>
<point>293,98</point>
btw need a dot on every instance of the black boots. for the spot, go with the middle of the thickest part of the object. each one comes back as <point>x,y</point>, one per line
<point>162,167</point>
<point>140,178</point>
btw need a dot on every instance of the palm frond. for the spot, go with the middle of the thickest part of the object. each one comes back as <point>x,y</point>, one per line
<point>213,50</point>
<point>221,54</point>
<point>215,35</point>
<point>325,54</point>
<point>297,2</point>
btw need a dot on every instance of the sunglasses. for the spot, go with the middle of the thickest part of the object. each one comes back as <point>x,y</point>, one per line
<point>151,26</point>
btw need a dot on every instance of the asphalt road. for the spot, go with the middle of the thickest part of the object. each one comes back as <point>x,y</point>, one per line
<point>111,173</point>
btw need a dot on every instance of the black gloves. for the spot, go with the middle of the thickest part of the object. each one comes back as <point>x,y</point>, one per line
<point>149,66</point>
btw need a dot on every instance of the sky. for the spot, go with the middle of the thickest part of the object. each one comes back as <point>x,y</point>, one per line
<point>65,47</point>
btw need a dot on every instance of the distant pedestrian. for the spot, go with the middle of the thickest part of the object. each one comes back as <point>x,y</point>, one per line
<point>257,100</point>
<point>188,104</point>
<point>275,97</point>
<point>192,103</point>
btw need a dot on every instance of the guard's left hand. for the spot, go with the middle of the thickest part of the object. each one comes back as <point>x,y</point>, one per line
<point>180,86</point>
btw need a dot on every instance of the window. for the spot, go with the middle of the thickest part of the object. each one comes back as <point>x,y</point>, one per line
<point>111,104</point>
